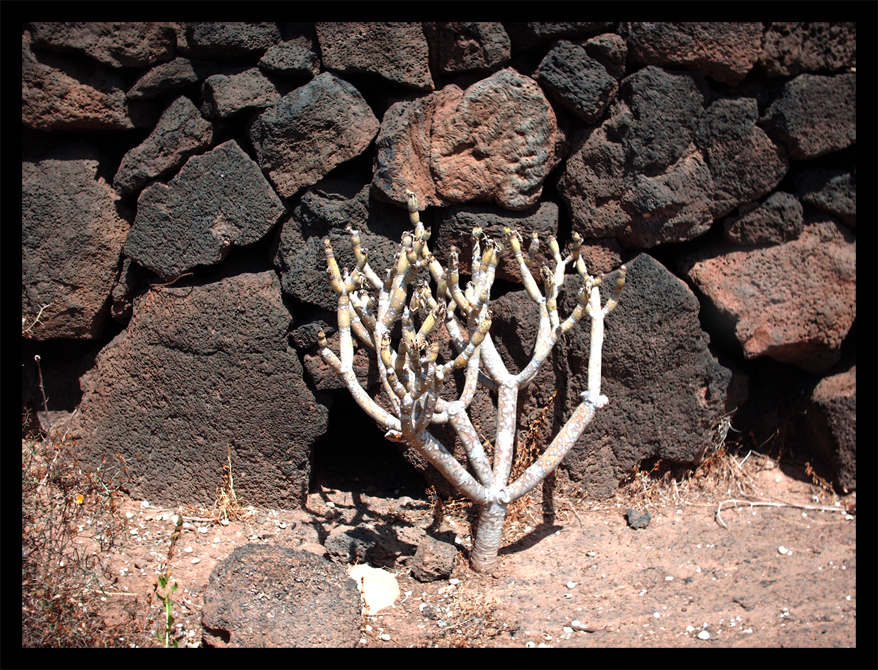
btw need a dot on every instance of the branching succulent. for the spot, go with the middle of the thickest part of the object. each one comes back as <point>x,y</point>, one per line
<point>413,376</point>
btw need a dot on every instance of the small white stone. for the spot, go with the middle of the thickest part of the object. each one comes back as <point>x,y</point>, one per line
<point>385,637</point>
<point>196,560</point>
<point>129,515</point>
<point>202,529</point>
<point>188,550</point>
<point>783,550</point>
<point>571,585</point>
<point>454,581</point>
<point>224,522</point>
<point>704,635</point>
<point>144,504</point>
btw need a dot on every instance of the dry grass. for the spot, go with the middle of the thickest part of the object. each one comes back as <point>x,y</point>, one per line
<point>70,521</point>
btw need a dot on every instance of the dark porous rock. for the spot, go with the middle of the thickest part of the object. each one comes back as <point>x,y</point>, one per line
<point>377,546</point>
<point>433,560</point>
<point>230,39</point>
<point>224,95</point>
<point>324,212</point>
<point>833,191</point>
<point>180,133</point>
<point>457,223</point>
<point>461,46</point>
<point>724,51</point>
<point>217,201</point>
<point>777,220</point>
<point>744,163</point>
<point>577,81</point>
<point>396,51</point>
<point>200,368</point>
<point>610,51</point>
<point>71,237</point>
<point>310,131</point>
<point>290,59</point>
<point>269,596</point>
<point>832,425</point>
<point>637,519</point>
<point>814,115</point>
<point>794,302</point>
<point>791,47</point>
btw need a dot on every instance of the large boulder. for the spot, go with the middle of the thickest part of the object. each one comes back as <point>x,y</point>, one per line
<point>270,596</point>
<point>794,301</point>
<point>218,201</point>
<point>198,370</point>
<point>71,244</point>
<point>310,131</point>
<point>495,141</point>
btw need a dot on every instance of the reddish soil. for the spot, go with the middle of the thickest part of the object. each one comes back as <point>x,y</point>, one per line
<point>774,576</point>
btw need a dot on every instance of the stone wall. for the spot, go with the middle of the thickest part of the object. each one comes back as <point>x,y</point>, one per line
<point>178,181</point>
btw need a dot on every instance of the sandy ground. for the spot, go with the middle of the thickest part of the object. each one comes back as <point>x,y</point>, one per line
<point>777,574</point>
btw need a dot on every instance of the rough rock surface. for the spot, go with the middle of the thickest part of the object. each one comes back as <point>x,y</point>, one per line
<point>815,115</point>
<point>114,44</point>
<point>269,596</point>
<point>794,302</point>
<point>778,219</point>
<point>62,93</point>
<point>723,51</point>
<point>200,368</point>
<point>493,142</point>
<point>71,239</point>
<point>833,191</point>
<point>464,46</point>
<point>397,52</point>
<point>832,424</point>
<point>180,133</point>
<point>310,131</point>
<point>217,201</point>
<point>325,212</point>
<point>790,48</point>
<point>661,168</point>
<point>577,81</point>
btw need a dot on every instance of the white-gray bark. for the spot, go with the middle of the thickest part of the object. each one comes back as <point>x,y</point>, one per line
<point>412,375</point>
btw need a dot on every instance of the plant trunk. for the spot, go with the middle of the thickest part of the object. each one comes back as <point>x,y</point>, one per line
<point>487,542</point>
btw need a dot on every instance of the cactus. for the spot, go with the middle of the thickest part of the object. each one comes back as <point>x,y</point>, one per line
<point>412,375</point>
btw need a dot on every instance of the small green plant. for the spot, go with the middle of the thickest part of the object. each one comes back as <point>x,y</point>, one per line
<point>163,630</point>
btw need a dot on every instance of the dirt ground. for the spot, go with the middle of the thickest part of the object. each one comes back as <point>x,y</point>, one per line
<point>779,573</point>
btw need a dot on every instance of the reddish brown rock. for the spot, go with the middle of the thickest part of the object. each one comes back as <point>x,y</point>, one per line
<point>790,48</point>
<point>794,302</point>
<point>217,201</point>
<point>815,115</point>
<point>497,145</point>
<point>396,51</point>
<point>832,425</point>
<point>200,368</point>
<point>310,131</point>
<point>71,238</point>
<point>724,51</point>
<point>139,44</point>
<point>291,59</point>
<point>180,133</point>
<point>493,142</point>
<point>59,93</point>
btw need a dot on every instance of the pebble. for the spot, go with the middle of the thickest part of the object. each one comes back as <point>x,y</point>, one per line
<point>783,550</point>
<point>571,585</point>
<point>385,637</point>
<point>704,635</point>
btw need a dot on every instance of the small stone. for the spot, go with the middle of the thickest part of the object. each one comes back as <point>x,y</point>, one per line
<point>783,550</point>
<point>704,635</point>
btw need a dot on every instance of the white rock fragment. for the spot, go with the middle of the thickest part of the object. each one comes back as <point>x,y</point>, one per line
<point>704,635</point>
<point>378,587</point>
<point>783,550</point>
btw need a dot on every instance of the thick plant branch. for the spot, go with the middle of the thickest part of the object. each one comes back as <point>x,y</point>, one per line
<point>413,376</point>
